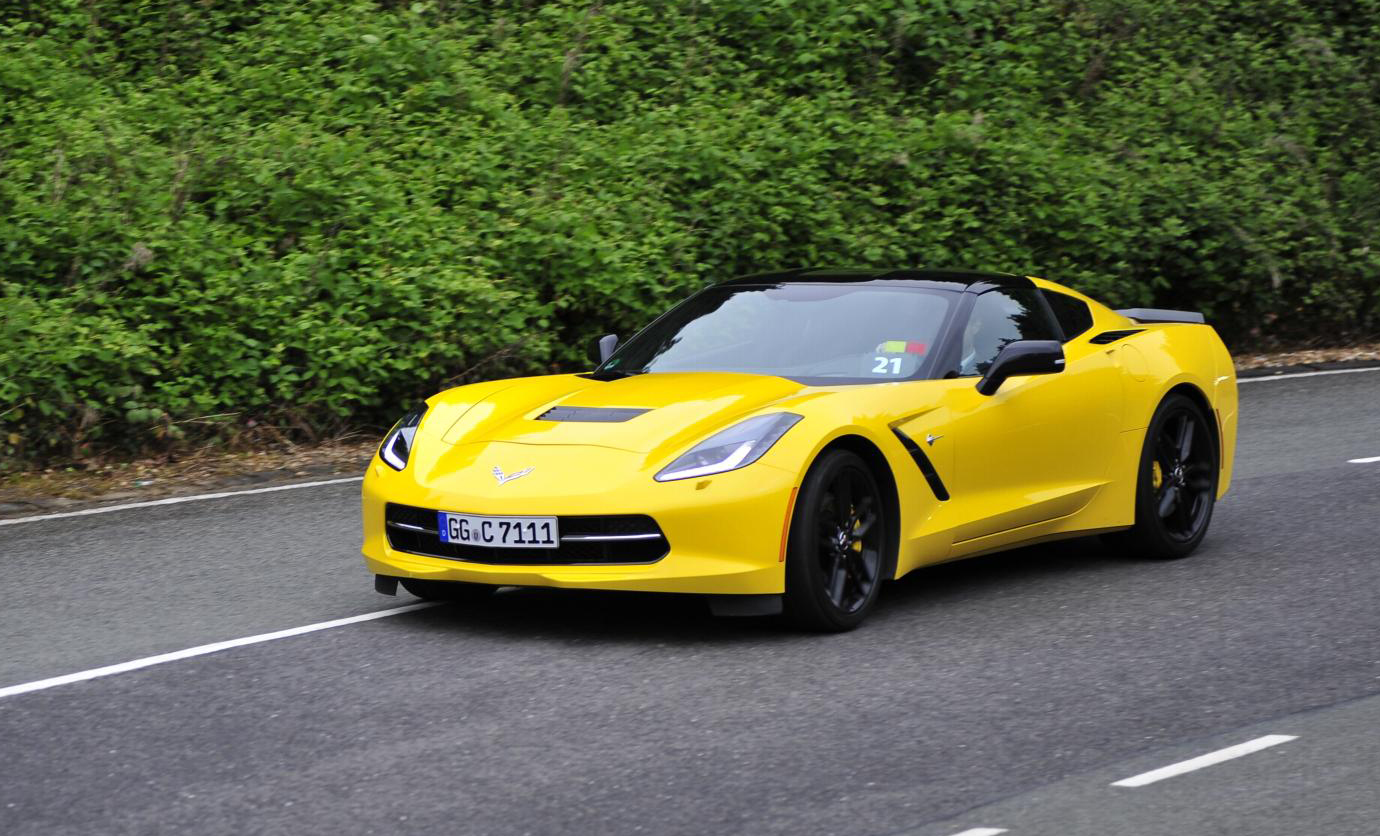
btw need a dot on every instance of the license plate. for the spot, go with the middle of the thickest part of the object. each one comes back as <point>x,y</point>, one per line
<point>502,532</point>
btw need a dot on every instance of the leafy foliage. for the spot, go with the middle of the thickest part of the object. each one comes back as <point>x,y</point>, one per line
<point>301,215</point>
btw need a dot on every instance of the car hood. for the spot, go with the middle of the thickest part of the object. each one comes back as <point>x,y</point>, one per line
<point>676,409</point>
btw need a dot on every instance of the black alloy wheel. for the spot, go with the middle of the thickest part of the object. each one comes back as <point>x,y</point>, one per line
<point>1181,475</point>
<point>1176,488</point>
<point>838,537</point>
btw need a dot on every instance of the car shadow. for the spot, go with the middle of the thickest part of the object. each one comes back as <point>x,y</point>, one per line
<point>641,618</point>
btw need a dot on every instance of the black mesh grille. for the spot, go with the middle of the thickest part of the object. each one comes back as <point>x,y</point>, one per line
<point>428,542</point>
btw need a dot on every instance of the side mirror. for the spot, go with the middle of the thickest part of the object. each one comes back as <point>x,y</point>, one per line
<point>1022,357</point>
<point>607,344</point>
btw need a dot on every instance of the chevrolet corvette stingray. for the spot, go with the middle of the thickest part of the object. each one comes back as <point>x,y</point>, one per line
<point>785,442</point>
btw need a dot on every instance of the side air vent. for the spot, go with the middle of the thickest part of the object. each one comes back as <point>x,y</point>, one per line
<point>922,461</point>
<point>590,414</point>
<point>1112,336</point>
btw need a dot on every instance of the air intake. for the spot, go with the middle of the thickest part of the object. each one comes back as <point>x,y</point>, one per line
<point>1107,337</point>
<point>585,540</point>
<point>590,414</point>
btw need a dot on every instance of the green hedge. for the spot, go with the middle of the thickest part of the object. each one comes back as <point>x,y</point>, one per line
<point>222,217</point>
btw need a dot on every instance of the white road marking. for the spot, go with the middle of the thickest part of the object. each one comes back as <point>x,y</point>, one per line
<point>1240,380</point>
<point>202,650</point>
<point>981,831</point>
<point>175,500</point>
<point>1363,461</point>
<point>1210,759</point>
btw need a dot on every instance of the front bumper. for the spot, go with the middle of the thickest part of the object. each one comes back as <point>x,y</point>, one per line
<point>724,531</point>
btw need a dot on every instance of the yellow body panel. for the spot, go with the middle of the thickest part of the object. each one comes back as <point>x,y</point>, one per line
<point>1047,456</point>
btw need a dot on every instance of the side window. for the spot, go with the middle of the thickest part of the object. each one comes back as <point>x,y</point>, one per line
<point>1073,314</point>
<point>1000,317</point>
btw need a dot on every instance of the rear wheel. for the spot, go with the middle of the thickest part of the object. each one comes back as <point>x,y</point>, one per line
<point>457,591</point>
<point>1176,486</point>
<point>834,555</point>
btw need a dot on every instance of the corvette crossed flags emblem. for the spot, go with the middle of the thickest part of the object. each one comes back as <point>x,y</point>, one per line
<point>502,479</point>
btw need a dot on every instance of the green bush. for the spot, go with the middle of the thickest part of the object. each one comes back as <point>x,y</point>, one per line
<point>302,215</point>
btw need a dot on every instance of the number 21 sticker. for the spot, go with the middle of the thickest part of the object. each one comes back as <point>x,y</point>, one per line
<point>887,365</point>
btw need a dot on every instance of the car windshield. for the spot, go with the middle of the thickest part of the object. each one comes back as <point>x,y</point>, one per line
<point>814,333</point>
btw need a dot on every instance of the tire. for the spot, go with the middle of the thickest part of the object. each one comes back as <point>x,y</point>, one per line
<point>1176,484</point>
<point>834,563</point>
<point>455,591</point>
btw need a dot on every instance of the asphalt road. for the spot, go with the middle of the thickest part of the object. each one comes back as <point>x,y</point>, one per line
<point>1003,692</point>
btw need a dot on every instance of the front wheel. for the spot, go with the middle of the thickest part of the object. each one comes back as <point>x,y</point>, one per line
<point>837,540</point>
<point>1176,486</point>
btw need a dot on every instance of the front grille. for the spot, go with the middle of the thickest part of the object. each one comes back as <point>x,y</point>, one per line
<point>584,540</point>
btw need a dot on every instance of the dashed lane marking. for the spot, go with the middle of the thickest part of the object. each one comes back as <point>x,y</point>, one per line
<point>1210,759</point>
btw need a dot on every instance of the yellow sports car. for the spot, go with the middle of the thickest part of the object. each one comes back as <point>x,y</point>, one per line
<point>787,441</point>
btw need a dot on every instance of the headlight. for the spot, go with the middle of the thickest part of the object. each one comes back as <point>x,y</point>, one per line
<point>738,446</point>
<point>397,445</point>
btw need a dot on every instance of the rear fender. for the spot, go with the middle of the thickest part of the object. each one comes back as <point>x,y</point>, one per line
<point>1192,358</point>
<point>1160,358</point>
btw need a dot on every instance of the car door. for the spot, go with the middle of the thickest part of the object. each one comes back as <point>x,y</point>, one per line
<point>1038,449</point>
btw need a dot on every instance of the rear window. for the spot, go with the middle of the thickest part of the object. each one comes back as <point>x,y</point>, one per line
<point>1073,314</point>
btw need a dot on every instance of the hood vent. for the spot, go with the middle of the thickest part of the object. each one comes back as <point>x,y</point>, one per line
<point>590,414</point>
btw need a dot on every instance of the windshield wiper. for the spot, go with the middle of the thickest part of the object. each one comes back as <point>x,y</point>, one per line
<point>609,374</point>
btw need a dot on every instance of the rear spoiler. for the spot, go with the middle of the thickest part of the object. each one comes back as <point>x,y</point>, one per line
<point>1163,315</point>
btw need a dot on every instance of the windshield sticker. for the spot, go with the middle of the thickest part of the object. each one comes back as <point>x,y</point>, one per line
<point>901,347</point>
